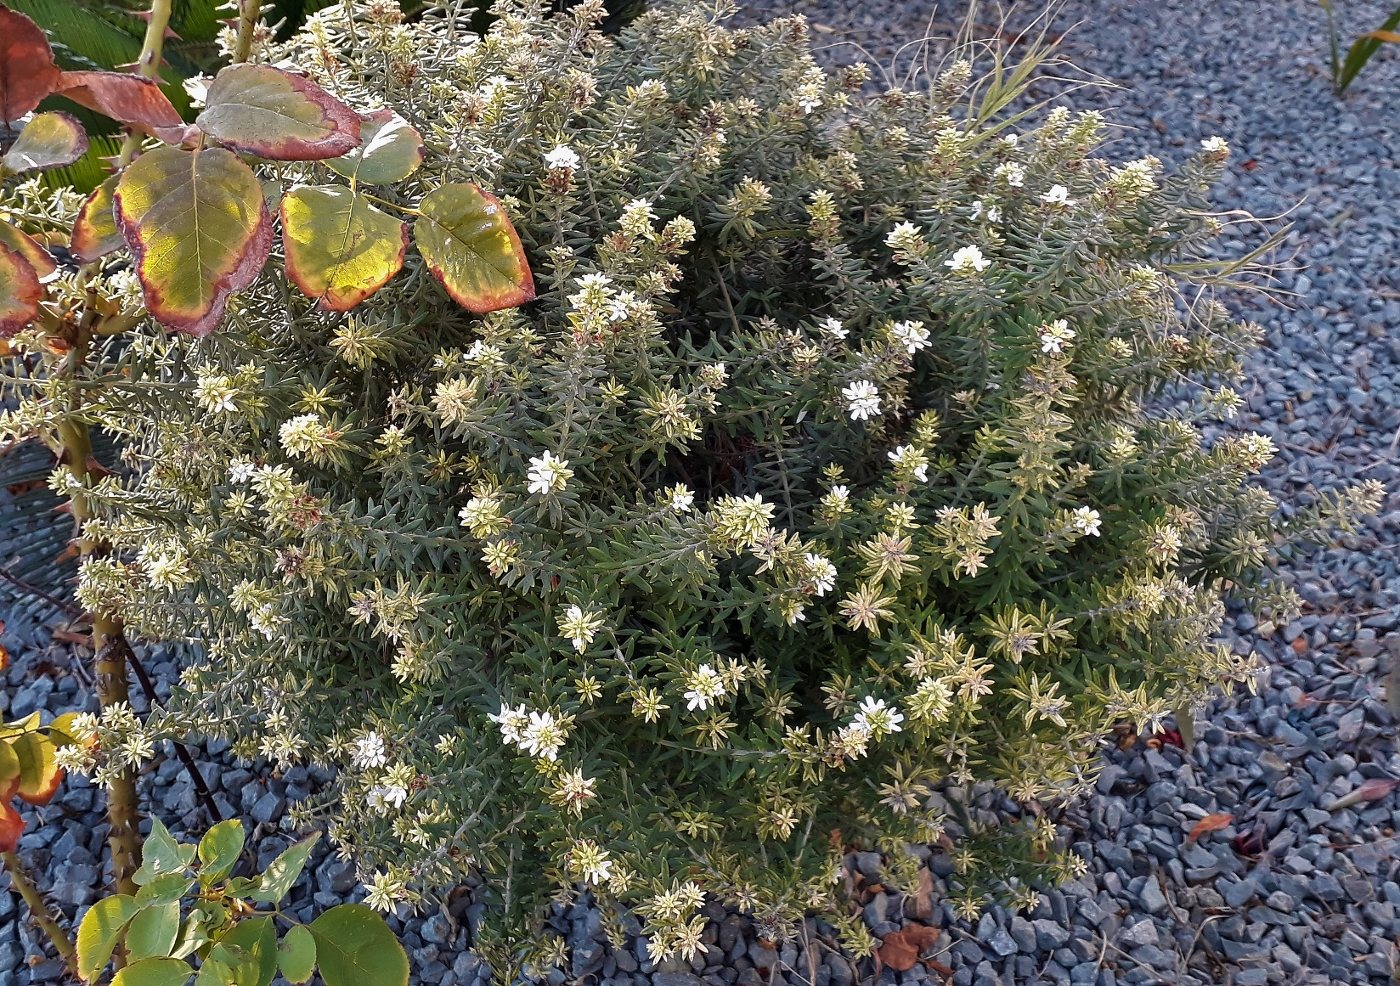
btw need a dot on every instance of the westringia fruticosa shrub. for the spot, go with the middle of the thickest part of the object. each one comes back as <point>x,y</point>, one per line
<point>827,472</point>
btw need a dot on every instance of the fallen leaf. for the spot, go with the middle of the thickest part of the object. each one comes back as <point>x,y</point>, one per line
<point>1376,787</point>
<point>1211,823</point>
<point>920,902</point>
<point>900,949</point>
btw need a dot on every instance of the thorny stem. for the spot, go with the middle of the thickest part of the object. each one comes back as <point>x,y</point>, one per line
<point>109,644</point>
<point>248,11</point>
<point>147,66</point>
<point>39,908</point>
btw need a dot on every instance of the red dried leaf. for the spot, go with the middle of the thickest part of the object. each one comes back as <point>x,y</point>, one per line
<point>27,69</point>
<point>1211,823</point>
<point>1249,843</point>
<point>11,825</point>
<point>1375,788</point>
<point>125,98</point>
<point>900,949</point>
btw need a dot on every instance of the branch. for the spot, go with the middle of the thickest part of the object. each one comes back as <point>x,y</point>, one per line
<point>39,908</point>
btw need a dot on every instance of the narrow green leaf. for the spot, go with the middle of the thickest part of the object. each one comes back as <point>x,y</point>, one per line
<point>20,292</point>
<point>102,925</point>
<point>296,954</point>
<point>390,150</point>
<point>277,115</point>
<point>95,232</point>
<point>1363,49</point>
<point>152,932</point>
<point>472,248</point>
<point>48,140</point>
<point>354,946</point>
<point>154,972</point>
<point>219,849</point>
<point>340,249</point>
<point>283,871</point>
<point>200,229</point>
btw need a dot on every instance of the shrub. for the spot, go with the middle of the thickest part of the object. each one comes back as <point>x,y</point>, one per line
<point>827,479</point>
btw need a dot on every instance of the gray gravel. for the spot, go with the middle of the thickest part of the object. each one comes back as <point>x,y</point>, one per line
<point>1292,891</point>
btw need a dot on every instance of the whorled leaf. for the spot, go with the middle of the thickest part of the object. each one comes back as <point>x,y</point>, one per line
<point>277,115</point>
<point>340,249</point>
<point>20,292</point>
<point>27,69</point>
<point>354,946</point>
<point>472,248</point>
<point>28,248</point>
<point>200,229</point>
<point>95,232</point>
<point>126,98</point>
<point>48,140</point>
<point>390,150</point>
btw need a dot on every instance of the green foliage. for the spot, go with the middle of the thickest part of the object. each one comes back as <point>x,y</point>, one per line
<point>1347,66</point>
<point>190,908</point>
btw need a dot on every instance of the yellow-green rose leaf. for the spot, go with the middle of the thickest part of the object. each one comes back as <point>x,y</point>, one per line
<point>39,773</point>
<point>152,932</point>
<point>390,150</point>
<point>28,248</point>
<point>296,954</point>
<point>95,232</point>
<point>472,248</point>
<point>355,946</point>
<point>101,927</point>
<point>48,140</point>
<point>277,115</point>
<point>154,972</point>
<point>200,229</point>
<point>340,249</point>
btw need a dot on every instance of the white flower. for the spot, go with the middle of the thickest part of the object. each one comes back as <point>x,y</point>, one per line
<point>1054,336</point>
<point>863,400</point>
<point>876,717</point>
<point>590,861</point>
<point>1085,520</point>
<point>384,796</point>
<point>680,499</point>
<point>562,156</point>
<point>908,457</point>
<point>1012,173</point>
<point>821,573</point>
<point>1057,196</point>
<point>542,736</point>
<point>911,335</point>
<point>833,329</point>
<point>369,752</point>
<point>1215,145</point>
<point>385,892</point>
<point>549,474</point>
<point>216,394</point>
<point>241,470</point>
<point>580,626</point>
<point>705,686</point>
<point>512,722</point>
<point>967,261</point>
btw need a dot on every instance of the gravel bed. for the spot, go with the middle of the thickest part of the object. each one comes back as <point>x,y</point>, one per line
<point>1294,890</point>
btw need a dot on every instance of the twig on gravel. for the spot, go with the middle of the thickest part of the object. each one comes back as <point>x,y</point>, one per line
<point>39,908</point>
<point>64,606</point>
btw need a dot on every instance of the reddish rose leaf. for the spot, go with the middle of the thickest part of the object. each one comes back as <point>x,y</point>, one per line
<point>1372,790</point>
<point>125,98</point>
<point>11,825</point>
<point>200,229</point>
<point>28,248</point>
<point>1211,823</point>
<point>27,69</point>
<point>20,292</point>
<point>95,232</point>
<point>277,115</point>
<point>48,140</point>
<point>900,949</point>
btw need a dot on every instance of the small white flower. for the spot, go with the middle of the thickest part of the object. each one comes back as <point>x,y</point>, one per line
<point>562,156</point>
<point>369,752</point>
<point>821,573</point>
<point>241,470</point>
<point>680,499</point>
<point>580,626</point>
<point>911,335</point>
<point>512,722</point>
<point>833,329</point>
<point>1011,173</point>
<point>906,456</point>
<point>549,474</point>
<point>1054,336</point>
<point>876,717</point>
<point>382,797</point>
<point>1085,520</point>
<point>863,400</point>
<point>542,736</point>
<point>1215,145</point>
<point>1057,196</point>
<point>967,262</point>
<point>705,686</point>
